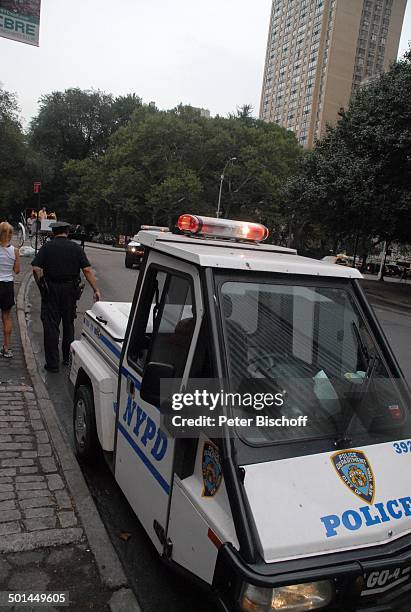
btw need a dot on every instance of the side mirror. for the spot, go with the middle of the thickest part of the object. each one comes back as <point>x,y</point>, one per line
<point>150,390</point>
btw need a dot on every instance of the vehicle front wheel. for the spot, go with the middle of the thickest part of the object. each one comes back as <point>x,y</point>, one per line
<point>129,263</point>
<point>84,424</point>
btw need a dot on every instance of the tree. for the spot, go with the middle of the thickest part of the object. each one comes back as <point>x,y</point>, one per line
<point>354,183</point>
<point>164,163</point>
<point>17,165</point>
<point>166,199</point>
<point>9,108</point>
<point>75,125</point>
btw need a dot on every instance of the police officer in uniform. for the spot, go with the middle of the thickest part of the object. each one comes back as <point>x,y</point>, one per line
<point>56,268</point>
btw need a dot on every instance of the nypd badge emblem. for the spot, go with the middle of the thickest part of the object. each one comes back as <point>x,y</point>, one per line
<point>353,468</point>
<point>212,472</point>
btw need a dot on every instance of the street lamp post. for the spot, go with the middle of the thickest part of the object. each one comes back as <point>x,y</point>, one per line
<point>218,212</point>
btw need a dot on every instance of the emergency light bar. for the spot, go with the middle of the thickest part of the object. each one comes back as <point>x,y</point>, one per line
<point>222,228</point>
<point>155,228</point>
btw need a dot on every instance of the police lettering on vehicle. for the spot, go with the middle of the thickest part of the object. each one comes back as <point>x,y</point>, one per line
<point>145,429</point>
<point>367,516</point>
<point>354,469</point>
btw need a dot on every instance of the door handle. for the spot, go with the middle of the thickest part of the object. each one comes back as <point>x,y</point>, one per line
<point>101,320</point>
<point>130,387</point>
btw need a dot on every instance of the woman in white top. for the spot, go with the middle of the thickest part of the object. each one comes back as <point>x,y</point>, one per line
<point>9,264</point>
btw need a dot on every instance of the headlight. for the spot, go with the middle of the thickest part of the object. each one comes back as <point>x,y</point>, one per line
<point>133,249</point>
<point>295,597</point>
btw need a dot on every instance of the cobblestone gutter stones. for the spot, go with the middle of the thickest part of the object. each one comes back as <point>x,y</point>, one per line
<point>45,570</point>
<point>51,535</point>
<point>35,506</point>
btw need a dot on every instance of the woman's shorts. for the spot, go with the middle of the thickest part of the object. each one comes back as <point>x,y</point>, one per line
<point>6,295</point>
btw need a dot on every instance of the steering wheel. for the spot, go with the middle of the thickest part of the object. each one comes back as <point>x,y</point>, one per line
<point>262,356</point>
<point>271,355</point>
<point>273,359</point>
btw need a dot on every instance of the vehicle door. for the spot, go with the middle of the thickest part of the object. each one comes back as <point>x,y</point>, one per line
<point>164,329</point>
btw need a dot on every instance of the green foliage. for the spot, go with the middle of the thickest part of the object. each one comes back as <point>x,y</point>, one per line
<point>356,179</point>
<point>18,165</point>
<point>116,163</point>
<point>163,163</point>
<point>77,123</point>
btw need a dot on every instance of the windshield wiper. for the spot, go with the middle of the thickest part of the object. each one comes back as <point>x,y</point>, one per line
<point>371,363</point>
<point>365,356</point>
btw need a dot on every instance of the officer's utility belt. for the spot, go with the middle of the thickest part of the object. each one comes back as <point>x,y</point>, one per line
<point>74,282</point>
<point>62,281</point>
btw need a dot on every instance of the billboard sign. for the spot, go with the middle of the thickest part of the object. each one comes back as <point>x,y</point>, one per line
<point>20,20</point>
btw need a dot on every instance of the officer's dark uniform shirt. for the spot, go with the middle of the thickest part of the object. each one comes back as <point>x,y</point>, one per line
<point>61,260</point>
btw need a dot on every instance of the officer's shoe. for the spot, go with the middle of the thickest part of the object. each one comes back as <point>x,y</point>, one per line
<point>50,369</point>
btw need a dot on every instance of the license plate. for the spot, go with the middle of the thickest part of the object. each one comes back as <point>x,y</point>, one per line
<point>381,581</point>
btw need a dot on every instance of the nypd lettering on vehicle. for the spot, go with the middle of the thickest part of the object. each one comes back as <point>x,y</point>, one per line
<point>145,429</point>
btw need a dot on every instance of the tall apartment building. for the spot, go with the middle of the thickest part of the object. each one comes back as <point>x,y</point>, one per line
<point>319,52</point>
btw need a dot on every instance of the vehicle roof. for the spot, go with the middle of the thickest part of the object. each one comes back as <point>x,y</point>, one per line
<point>208,252</point>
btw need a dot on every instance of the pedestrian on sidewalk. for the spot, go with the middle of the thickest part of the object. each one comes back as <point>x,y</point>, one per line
<point>56,269</point>
<point>30,222</point>
<point>9,265</point>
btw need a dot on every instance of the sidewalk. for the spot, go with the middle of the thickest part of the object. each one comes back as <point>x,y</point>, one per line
<point>51,536</point>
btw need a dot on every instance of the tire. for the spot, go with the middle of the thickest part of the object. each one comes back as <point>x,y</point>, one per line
<point>84,425</point>
<point>129,264</point>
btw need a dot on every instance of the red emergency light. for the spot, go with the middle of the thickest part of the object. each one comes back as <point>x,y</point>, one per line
<point>222,228</point>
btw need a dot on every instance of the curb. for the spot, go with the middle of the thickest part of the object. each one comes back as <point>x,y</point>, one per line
<point>91,245</point>
<point>108,563</point>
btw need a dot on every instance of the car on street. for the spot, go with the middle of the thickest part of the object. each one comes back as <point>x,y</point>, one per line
<point>389,269</point>
<point>134,253</point>
<point>392,270</point>
<point>104,238</point>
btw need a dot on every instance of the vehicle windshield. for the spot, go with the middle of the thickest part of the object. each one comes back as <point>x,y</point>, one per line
<point>311,345</point>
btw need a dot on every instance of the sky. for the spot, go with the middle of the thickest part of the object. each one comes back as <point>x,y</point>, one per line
<point>209,54</point>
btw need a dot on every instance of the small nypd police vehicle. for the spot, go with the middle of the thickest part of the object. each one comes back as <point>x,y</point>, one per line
<point>306,508</point>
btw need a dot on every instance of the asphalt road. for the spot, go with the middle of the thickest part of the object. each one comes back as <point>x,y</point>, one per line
<point>397,328</point>
<point>156,587</point>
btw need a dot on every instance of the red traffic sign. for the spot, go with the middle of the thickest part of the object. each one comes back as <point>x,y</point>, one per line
<point>36,187</point>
